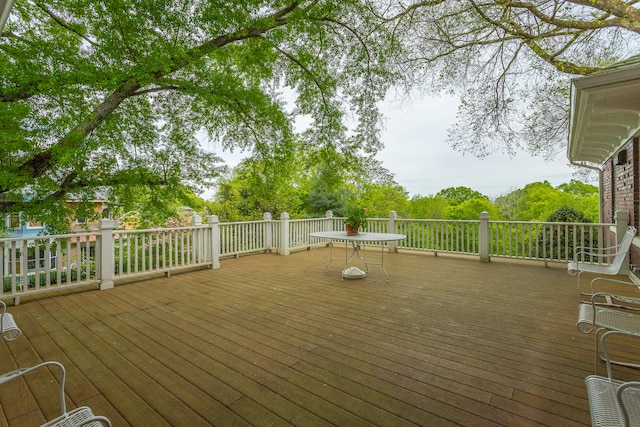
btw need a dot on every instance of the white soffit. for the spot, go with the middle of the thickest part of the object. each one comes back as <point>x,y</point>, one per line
<point>605,112</point>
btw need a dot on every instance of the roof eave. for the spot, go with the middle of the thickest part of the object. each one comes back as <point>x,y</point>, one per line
<point>583,108</point>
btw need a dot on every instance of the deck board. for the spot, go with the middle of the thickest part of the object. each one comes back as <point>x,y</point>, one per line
<point>269,340</point>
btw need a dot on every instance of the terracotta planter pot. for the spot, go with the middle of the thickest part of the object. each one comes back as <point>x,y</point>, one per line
<point>352,231</point>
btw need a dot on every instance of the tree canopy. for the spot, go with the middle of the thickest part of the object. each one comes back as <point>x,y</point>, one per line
<point>510,62</point>
<point>119,94</point>
<point>123,96</point>
<point>458,195</point>
<point>305,180</point>
<point>536,201</point>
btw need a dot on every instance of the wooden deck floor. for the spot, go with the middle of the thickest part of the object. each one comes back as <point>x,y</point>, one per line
<point>272,340</point>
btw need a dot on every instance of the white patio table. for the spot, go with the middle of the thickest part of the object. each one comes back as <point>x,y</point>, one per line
<point>356,241</point>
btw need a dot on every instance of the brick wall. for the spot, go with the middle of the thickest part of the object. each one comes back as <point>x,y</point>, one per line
<point>607,198</point>
<point>621,189</point>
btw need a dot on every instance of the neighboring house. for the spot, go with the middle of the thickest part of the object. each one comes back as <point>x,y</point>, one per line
<point>18,228</point>
<point>603,135</point>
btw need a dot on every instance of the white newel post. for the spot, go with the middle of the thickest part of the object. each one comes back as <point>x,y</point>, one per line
<point>393,228</point>
<point>214,223</point>
<point>198,241</point>
<point>329,220</point>
<point>622,223</point>
<point>268,231</point>
<point>483,237</point>
<point>284,234</point>
<point>107,261</point>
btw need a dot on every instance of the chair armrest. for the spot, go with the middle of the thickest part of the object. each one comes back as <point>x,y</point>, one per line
<point>599,298</point>
<point>633,286</point>
<point>595,250</point>
<point>598,254</point>
<point>10,376</point>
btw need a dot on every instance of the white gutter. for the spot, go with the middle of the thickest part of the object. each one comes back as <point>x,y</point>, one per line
<point>5,8</point>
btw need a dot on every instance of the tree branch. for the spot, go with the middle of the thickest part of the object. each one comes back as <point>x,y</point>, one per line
<point>306,70</point>
<point>529,39</point>
<point>63,24</point>
<point>627,17</point>
<point>42,162</point>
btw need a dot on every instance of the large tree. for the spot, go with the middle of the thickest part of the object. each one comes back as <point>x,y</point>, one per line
<point>510,62</point>
<point>458,195</point>
<point>120,94</point>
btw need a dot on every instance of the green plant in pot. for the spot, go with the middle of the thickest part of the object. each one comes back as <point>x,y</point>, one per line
<point>356,221</point>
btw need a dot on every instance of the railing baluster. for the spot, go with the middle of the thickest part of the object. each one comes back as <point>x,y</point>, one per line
<point>139,252</point>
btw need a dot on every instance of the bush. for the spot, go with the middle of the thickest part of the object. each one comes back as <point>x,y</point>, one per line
<point>555,246</point>
<point>53,276</point>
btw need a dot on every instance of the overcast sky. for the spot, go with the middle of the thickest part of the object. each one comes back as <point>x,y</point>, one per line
<point>417,153</point>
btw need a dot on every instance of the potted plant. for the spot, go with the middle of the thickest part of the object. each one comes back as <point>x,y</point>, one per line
<point>356,220</point>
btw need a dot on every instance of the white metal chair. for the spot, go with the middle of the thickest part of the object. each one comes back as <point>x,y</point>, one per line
<point>612,402</point>
<point>8,327</point>
<point>82,416</point>
<point>616,254</point>
<point>606,285</point>
<point>618,316</point>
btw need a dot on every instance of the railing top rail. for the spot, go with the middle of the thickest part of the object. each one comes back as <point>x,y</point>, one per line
<point>468,221</point>
<point>49,236</point>
<point>589,224</point>
<point>160,230</point>
<point>246,222</point>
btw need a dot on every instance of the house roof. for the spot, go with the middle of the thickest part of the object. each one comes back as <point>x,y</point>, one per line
<point>605,111</point>
<point>5,7</point>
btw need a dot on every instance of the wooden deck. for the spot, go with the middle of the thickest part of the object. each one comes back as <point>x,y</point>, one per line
<point>273,340</point>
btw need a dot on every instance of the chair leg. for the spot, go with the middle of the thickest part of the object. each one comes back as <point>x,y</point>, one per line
<point>582,293</point>
<point>597,350</point>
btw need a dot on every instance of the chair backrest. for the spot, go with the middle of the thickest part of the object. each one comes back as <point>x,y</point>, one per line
<point>627,239</point>
<point>623,248</point>
<point>81,416</point>
<point>628,397</point>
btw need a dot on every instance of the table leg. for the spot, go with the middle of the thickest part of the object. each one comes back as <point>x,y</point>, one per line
<point>330,256</point>
<point>382,263</point>
<point>356,252</point>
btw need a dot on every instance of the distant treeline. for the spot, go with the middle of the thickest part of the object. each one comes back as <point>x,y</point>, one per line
<point>535,202</point>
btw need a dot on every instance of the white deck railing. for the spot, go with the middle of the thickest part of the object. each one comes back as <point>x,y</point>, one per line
<point>237,238</point>
<point>548,241</point>
<point>141,252</point>
<point>459,237</point>
<point>46,263</point>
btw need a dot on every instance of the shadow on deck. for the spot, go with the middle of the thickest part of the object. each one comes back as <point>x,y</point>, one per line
<point>271,340</point>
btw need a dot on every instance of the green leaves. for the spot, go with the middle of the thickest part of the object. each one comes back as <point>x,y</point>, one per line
<point>120,94</point>
<point>509,62</point>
